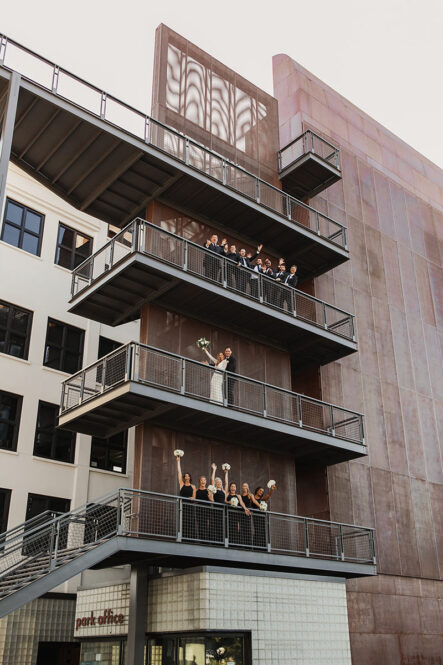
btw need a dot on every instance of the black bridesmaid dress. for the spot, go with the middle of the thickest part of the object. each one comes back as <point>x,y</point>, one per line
<point>203,514</point>
<point>188,513</point>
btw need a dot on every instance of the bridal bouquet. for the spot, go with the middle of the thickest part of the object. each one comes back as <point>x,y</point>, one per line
<point>178,453</point>
<point>272,483</point>
<point>226,467</point>
<point>203,343</point>
<point>234,502</point>
<point>263,506</point>
<point>212,489</point>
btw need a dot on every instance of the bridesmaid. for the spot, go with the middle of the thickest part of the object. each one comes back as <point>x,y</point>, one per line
<point>219,498</point>
<point>203,514</point>
<point>259,517</point>
<point>188,492</point>
<point>234,517</point>
<point>249,501</point>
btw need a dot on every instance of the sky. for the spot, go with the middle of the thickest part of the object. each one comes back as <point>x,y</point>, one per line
<point>385,56</point>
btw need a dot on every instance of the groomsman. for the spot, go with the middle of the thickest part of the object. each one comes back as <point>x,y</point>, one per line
<point>211,264</point>
<point>282,297</point>
<point>231,368</point>
<point>292,277</point>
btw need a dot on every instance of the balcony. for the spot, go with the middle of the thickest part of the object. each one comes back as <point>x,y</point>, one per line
<point>138,383</point>
<point>131,525</point>
<point>308,165</point>
<point>110,160</point>
<point>144,263</point>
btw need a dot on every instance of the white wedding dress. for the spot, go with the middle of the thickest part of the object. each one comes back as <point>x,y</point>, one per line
<point>216,393</point>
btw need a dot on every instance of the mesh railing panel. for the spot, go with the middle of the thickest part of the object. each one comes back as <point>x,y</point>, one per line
<point>287,534</point>
<point>138,362</point>
<point>308,142</point>
<point>324,540</point>
<point>159,369</point>
<point>356,544</point>
<point>167,247</point>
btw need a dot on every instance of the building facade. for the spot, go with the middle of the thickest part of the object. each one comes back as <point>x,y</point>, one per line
<point>319,183</point>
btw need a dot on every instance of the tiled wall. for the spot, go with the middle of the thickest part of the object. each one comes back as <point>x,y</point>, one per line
<point>390,200</point>
<point>115,598</point>
<point>293,622</point>
<point>43,620</point>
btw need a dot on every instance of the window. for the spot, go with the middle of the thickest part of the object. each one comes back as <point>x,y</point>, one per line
<point>63,347</point>
<point>105,346</point>
<point>206,649</point>
<point>72,247</point>
<point>38,504</point>
<point>15,330</point>
<point>5,497</point>
<point>110,454</point>
<point>49,441</point>
<point>23,227</point>
<point>10,410</point>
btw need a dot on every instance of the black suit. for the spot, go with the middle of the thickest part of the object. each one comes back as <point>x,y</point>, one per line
<point>231,367</point>
<point>292,280</point>
<point>211,264</point>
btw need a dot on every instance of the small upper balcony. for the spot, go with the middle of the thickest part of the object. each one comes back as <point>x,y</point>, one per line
<point>308,165</point>
<point>145,263</point>
<point>138,383</point>
<point>110,160</point>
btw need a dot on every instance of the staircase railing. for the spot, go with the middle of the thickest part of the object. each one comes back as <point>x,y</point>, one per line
<point>151,515</point>
<point>66,85</point>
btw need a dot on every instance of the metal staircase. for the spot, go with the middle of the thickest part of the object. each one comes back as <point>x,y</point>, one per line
<point>51,548</point>
<point>162,529</point>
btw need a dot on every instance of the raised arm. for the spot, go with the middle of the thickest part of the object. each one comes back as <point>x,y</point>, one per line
<point>214,469</point>
<point>179,472</point>
<point>226,482</point>
<point>270,493</point>
<point>211,358</point>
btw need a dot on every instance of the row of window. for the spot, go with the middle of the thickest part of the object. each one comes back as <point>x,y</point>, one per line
<point>63,344</point>
<point>52,443</point>
<point>23,228</point>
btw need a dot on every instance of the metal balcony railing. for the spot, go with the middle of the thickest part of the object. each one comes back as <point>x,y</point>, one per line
<point>38,550</point>
<point>150,240</point>
<point>46,74</point>
<point>308,142</point>
<point>170,372</point>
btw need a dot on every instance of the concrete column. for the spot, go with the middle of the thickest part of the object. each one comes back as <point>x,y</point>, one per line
<point>7,131</point>
<point>138,601</point>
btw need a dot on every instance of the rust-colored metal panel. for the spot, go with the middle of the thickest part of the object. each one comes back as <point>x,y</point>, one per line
<point>201,97</point>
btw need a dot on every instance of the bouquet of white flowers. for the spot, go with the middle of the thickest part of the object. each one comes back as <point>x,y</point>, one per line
<point>272,483</point>
<point>234,502</point>
<point>221,650</point>
<point>263,506</point>
<point>178,453</point>
<point>226,467</point>
<point>203,343</point>
<point>212,489</point>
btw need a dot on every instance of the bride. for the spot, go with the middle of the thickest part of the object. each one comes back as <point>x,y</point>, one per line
<point>220,363</point>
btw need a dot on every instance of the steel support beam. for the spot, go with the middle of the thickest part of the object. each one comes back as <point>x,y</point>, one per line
<point>7,132</point>
<point>138,602</point>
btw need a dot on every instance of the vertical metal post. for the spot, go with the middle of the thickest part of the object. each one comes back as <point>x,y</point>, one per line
<point>62,399</point>
<point>128,368</point>
<point>102,389</point>
<point>55,75</point>
<point>264,400</point>
<point>225,388</point>
<point>82,388</point>
<point>257,190</point>
<point>56,547</point>
<point>317,223</point>
<point>260,287</point>
<point>103,105</point>
<point>138,603</point>
<point>340,540</point>
<point>179,518</point>
<point>91,270</point>
<point>306,537</point>
<point>372,547</point>
<point>226,526</point>
<point>224,265</point>
<point>3,44</point>
<point>331,410</point>
<point>294,302</point>
<point>7,131</point>
<point>344,238</point>
<point>186,151</point>
<point>183,377</point>
<point>300,419</point>
<point>268,532</point>
<point>352,327</point>
<point>325,325</point>
<point>147,129</point>
<point>288,208</point>
<point>224,179</point>
<point>185,255</point>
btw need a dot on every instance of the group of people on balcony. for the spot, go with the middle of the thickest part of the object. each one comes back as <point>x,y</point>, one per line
<point>241,280</point>
<point>201,521</point>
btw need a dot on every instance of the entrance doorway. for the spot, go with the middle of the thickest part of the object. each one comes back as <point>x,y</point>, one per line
<point>58,653</point>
